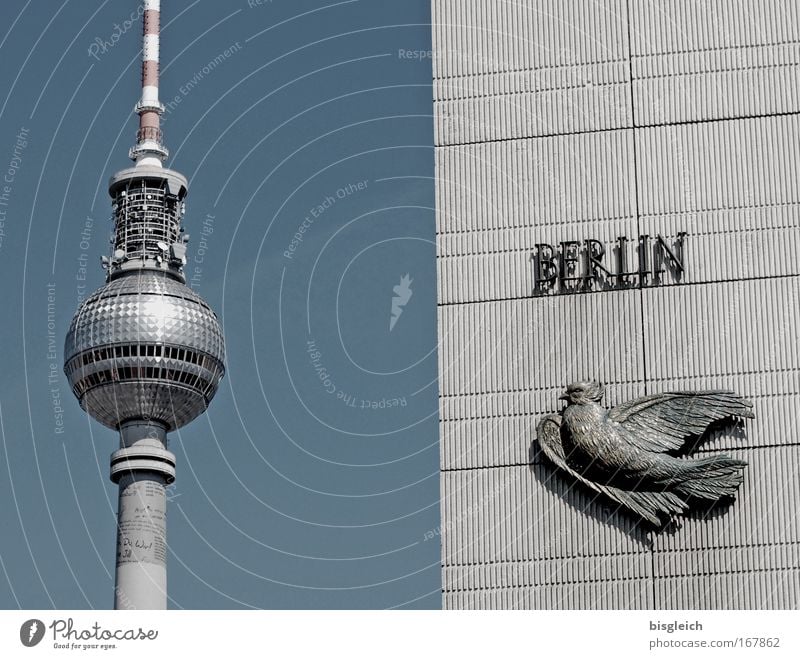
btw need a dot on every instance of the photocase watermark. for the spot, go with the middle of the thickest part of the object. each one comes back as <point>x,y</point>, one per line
<point>258,3</point>
<point>201,74</point>
<point>451,54</point>
<point>347,399</point>
<point>122,600</point>
<point>688,183</point>
<point>31,632</point>
<point>297,238</point>
<point>402,295</point>
<point>202,247</point>
<point>53,361</point>
<point>317,211</point>
<point>172,492</point>
<point>100,46</point>
<point>785,330</point>
<point>316,361</point>
<point>83,258</point>
<point>67,636</point>
<point>475,506</point>
<point>556,185</point>
<point>420,55</point>
<point>9,176</point>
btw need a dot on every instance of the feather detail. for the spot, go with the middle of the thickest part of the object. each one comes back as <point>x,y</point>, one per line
<point>666,422</point>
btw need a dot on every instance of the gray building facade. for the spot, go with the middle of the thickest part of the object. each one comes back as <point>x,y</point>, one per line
<point>561,128</point>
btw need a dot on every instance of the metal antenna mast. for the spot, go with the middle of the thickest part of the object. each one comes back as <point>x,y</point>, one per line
<point>149,148</point>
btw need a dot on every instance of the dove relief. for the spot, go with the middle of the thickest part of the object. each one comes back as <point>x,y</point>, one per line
<point>636,453</point>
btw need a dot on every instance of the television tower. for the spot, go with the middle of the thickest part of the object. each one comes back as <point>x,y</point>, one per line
<point>144,354</point>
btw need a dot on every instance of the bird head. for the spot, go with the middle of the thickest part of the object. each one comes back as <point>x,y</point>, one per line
<point>583,392</point>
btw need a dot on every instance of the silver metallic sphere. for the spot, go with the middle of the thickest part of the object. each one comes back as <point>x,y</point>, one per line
<point>144,346</point>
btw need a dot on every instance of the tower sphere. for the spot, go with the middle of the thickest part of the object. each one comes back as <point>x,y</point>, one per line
<point>144,346</point>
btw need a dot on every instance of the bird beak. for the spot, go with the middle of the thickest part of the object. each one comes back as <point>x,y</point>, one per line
<point>563,396</point>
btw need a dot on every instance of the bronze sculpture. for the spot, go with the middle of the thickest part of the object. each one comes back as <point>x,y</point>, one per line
<point>632,453</point>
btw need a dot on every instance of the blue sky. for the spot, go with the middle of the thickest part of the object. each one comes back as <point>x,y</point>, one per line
<point>305,130</point>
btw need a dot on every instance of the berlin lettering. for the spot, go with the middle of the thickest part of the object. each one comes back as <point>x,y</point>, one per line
<point>584,265</point>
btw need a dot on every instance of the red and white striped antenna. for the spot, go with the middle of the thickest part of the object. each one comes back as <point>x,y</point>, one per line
<point>149,149</point>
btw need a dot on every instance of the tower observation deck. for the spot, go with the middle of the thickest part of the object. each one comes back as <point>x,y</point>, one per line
<point>144,354</point>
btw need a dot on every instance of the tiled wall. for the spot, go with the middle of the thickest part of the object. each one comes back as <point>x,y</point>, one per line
<point>559,120</point>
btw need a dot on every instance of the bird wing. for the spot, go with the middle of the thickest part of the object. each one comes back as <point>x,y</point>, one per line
<point>665,422</point>
<point>646,504</point>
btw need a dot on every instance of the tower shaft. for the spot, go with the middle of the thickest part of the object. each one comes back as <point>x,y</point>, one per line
<point>141,573</point>
<point>143,467</point>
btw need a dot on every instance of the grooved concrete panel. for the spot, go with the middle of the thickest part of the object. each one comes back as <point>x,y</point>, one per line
<point>746,558</point>
<point>571,179</point>
<point>534,344</point>
<point>560,121</point>
<point>491,544</point>
<point>709,60</point>
<point>728,329</point>
<point>524,69</point>
<point>697,169</point>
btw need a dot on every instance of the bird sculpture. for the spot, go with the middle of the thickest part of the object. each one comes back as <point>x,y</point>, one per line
<point>632,453</point>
